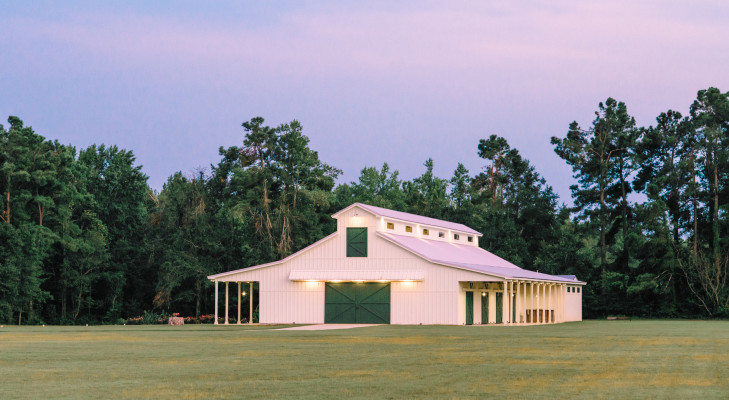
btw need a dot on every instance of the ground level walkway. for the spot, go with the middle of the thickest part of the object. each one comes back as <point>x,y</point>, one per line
<point>321,327</point>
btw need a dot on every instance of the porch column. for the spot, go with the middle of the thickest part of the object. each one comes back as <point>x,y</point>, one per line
<point>216,302</point>
<point>510,306</point>
<point>238,303</point>
<point>516,303</point>
<point>250,303</point>
<point>226,303</point>
<point>540,289</point>
<point>544,299</point>
<point>551,302</point>
<point>512,302</point>
<point>561,303</point>
<point>525,301</point>
<point>531,302</point>
<point>539,302</point>
<point>564,302</point>
<point>504,310</point>
<point>546,302</point>
<point>524,304</point>
<point>556,303</point>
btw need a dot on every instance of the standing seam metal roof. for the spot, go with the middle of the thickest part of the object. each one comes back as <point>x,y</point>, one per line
<point>467,257</point>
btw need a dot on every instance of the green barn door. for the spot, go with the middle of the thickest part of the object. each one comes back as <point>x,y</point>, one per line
<point>357,303</point>
<point>485,309</point>
<point>373,303</point>
<point>469,308</point>
<point>499,308</point>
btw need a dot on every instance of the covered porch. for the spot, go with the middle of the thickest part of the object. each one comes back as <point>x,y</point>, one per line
<point>510,302</point>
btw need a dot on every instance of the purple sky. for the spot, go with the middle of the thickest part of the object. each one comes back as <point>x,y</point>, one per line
<point>394,82</point>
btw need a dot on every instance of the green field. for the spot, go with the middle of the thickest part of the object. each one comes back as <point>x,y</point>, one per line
<point>592,359</point>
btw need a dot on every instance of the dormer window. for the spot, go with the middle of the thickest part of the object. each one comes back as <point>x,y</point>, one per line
<point>470,239</point>
<point>426,232</point>
<point>441,234</point>
<point>409,229</point>
<point>456,236</point>
<point>390,225</point>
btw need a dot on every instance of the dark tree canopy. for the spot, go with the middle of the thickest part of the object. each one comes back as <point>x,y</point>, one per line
<point>83,239</point>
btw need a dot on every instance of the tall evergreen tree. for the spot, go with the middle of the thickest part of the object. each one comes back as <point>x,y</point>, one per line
<point>519,208</point>
<point>601,161</point>
<point>710,115</point>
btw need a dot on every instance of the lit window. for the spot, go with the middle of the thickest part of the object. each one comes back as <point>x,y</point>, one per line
<point>456,236</point>
<point>408,229</point>
<point>390,225</point>
<point>470,239</point>
<point>441,234</point>
<point>426,232</point>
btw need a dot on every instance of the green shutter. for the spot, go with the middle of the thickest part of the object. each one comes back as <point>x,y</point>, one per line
<point>356,242</point>
<point>469,308</point>
<point>485,309</point>
<point>499,308</point>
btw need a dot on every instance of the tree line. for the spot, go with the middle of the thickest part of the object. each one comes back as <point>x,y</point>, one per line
<point>84,239</point>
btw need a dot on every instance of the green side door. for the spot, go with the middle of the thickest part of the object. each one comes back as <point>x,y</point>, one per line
<point>485,309</point>
<point>469,308</point>
<point>357,303</point>
<point>499,308</point>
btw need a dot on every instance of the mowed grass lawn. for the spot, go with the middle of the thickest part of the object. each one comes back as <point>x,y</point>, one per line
<point>591,359</point>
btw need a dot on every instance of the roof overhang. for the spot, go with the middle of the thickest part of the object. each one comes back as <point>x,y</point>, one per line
<point>392,275</point>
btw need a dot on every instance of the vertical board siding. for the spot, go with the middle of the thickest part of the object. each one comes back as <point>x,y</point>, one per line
<point>573,305</point>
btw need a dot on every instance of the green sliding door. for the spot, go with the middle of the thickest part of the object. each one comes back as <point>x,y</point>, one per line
<point>357,303</point>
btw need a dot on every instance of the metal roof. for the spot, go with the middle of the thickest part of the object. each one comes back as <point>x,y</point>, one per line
<point>467,257</point>
<point>414,218</point>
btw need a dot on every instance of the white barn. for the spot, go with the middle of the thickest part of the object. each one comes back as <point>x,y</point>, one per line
<point>391,267</point>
